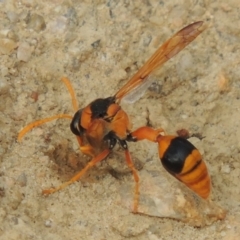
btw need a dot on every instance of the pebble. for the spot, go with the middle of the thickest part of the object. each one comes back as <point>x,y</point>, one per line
<point>36,22</point>
<point>7,46</point>
<point>161,198</point>
<point>48,223</point>
<point>4,86</point>
<point>58,25</point>
<point>3,214</point>
<point>16,199</point>
<point>12,35</point>
<point>24,52</point>
<point>34,96</point>
<point>22,179</point>
<point>225,168</point>
<point>130,226</point>
<point>96,43</point>
<point>12,16</point>
<point>223,82</point>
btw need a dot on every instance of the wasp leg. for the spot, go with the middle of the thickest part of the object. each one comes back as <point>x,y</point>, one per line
<point>88,150</point>
<point>85,149</point>
<point>142,133</point>
<point>32,125</point>
<point>92,163</point>
<point>136,179</point>
<point>112,140</point>
<point>147,133</point>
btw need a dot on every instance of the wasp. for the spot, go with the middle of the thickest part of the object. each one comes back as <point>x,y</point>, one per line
<point>103,123</point>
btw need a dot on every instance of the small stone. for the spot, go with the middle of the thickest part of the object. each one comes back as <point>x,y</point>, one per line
<point>7,46</point>
<point>96,43</point>
<point>24,52</point>
<point>70,37</point>
<point>48,223</point>
<point>34,96</point>
<point>2,192</point>
<point>225,168</point>
<point>23,15</point>
<point>129,226</point>
<point>12,16</point>
<point>22,179</point>
<point>3,214</point>
<point>147,40</point>
<point>72,17</point>
<point>184,133</point>
<point>161,198</point>
<point>16,199</point>
<point>223,83</point>
<point>155,87</point>
<point>36,22</point>
<point>12,35</point>
<point>223,234</point>
<point>58,25</point>
<point>4,86</point>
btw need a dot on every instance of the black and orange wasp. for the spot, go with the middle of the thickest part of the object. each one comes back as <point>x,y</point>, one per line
<point>103,123</point>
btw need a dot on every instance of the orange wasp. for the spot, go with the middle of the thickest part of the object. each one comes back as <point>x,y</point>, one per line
<point>103,123</point>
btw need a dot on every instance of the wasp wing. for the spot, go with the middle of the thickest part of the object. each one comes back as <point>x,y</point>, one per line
<point>169,49</point>
<point>137,92</point>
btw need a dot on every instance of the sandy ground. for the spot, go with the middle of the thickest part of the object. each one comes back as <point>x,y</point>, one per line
<point>98,45</point>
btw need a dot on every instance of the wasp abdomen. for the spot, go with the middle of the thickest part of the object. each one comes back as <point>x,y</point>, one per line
<point>173,159</point>
<point>180,158</point>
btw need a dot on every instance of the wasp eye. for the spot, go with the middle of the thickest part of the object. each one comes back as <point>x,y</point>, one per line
<point>75,126</point>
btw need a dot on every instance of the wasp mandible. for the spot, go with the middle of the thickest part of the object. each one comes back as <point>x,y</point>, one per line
<point>103,123</point>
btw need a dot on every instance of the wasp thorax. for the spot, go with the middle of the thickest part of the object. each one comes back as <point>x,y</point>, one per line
<point>100,106</point>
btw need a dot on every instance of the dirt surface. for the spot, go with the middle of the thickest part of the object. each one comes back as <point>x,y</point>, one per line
<point>99,45</point>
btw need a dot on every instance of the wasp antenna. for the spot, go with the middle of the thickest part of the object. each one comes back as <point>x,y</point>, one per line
<point>32,125</point>
<point>72,93</point>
